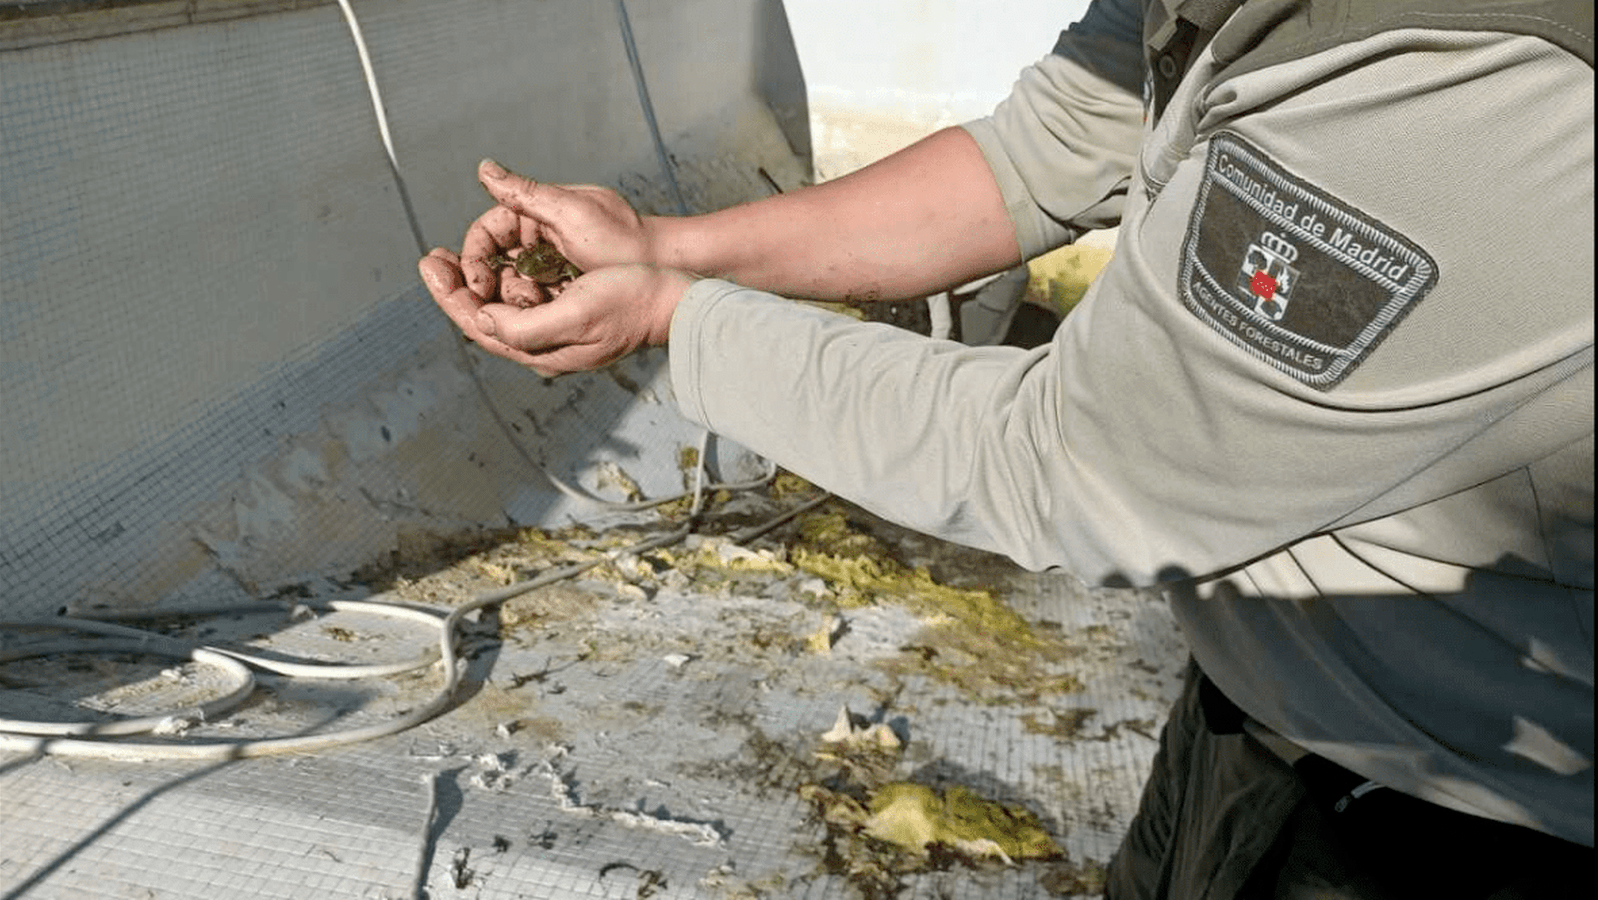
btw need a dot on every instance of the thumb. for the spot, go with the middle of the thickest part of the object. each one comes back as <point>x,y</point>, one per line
<point>531,329</point>
<point>510,190</point>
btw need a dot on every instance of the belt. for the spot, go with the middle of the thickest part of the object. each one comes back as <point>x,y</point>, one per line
<point>1330,783</point>
<point>1283,748</point>
<point>1337,786</point>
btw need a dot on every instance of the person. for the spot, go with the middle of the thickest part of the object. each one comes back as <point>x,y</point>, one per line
<point>1371,508</point>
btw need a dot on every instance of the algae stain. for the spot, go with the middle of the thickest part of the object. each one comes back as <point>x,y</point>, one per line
<point>688,460</point>
<point>787,484</point>
<point>971,640</point>
<point>877,832</point>
<point>713,563</point>
<point>861,569</point>
<point>1068,878</point>
<point>1066,725</point>
<point>913,816</point>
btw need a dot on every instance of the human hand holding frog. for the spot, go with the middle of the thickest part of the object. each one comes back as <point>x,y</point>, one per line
<point>497,290</point>
<point>541,264</point>
<point>522,246</point>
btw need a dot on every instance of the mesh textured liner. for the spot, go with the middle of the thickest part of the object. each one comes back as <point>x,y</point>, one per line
<point>624,773</point>
<point>220,381</point>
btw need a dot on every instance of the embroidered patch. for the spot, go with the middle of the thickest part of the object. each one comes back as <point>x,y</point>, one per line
<point>1297,278</point>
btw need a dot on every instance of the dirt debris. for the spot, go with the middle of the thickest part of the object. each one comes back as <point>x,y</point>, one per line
<point>784,597</point>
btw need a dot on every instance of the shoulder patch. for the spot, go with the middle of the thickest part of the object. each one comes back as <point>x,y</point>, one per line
<point>1289,273</point>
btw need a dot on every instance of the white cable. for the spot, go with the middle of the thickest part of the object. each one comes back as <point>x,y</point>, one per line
<point>345,670</point>
<point>942,320</point>
<point>217,750</point>
<point>699,475</point>
<point>371,81</point>
<point>244,685</point>
<point>382,124</point>
<point>577,493</point>
<point>698,490</point>
<point>92,623</point>
<point>240,749</point>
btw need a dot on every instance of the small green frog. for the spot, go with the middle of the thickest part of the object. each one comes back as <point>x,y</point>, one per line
<point>540,263</point>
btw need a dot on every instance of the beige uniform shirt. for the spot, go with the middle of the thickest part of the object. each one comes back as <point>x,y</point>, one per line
<point>1339,373</point>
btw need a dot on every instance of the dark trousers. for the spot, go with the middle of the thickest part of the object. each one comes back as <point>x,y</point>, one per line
<point>1223,818</point>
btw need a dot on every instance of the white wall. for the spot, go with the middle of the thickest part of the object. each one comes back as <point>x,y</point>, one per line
<point>881,74</point>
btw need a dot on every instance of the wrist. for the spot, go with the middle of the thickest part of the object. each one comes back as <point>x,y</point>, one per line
<point>671,287</point>
<point>676,242</point>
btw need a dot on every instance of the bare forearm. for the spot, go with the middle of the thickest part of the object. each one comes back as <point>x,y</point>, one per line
<point>922,220</point>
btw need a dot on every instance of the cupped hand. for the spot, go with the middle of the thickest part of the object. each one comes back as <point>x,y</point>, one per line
<point>590,225</point>
<point>600,317</point>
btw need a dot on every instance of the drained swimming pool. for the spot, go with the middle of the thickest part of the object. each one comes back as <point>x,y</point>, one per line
<point>454,647</point>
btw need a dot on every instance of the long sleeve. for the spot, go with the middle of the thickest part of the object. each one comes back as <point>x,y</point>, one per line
<point>1061,146</point>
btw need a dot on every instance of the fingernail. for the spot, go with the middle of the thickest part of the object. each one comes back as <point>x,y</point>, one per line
<point>492,169</point>
<point>485,323</point>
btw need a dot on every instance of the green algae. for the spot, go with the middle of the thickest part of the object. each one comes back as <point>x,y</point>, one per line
<point>688,459</point>
<point>860,568</point>
<point>914,816</point>
<point>720,554</point>
<point>971,639</point>
<point>1070,879</point>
